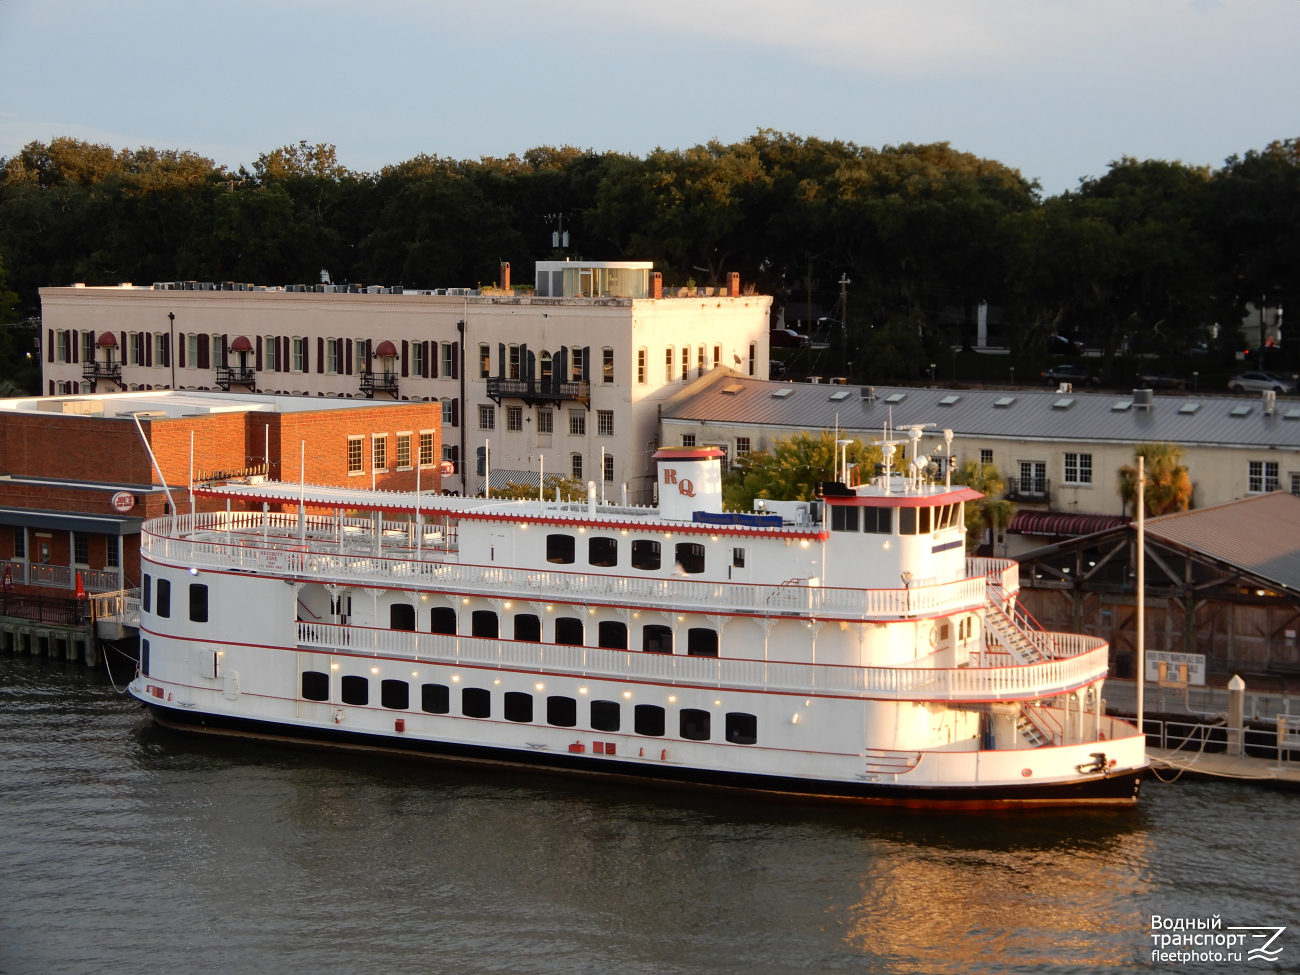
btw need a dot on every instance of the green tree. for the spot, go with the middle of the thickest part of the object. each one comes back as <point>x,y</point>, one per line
<point>1168,486</point>
<point>791,471</point>
<point>991,513</point>
<point>571,489</point>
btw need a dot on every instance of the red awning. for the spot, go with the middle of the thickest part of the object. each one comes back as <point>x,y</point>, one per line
<point>1059,525</point>
<point>385,348</point>
<point>241,344</point>
<point>108,340</point>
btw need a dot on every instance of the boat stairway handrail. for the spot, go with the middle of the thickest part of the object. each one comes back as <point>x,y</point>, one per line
<point>1019,682</point>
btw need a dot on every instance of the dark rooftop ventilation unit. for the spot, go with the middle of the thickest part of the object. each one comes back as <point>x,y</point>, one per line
<point>1143,399</point>
<point>869,393</point>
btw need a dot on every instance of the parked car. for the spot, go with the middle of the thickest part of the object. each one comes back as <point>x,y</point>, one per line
<point>1257,382</point>
<point>1060,345</point>
<point>1160,380</point>
<point>786,338</point>
<point>1068,373</point>
<point>775,367</point>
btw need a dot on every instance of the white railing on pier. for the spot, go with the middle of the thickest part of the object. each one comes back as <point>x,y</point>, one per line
<point>17,571</point>
<point>1027,682</point>
<point>203,540</point>
<point>122,606</point>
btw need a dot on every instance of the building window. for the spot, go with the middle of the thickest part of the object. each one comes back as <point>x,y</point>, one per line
<point>198,603</point>
<point>1033,477</point>
<point>270,344</point>
<point>742,729</point>
<point>484,362</point>
<point>579,364</point>
<point>1295,486</point>
<point>88,346</point>
<point>133,353</point>
<point>645,555</point>
<point>395,694</point>
<point>602,551</point>
<point>688,440</point>
<point>545,421</point>
<point>575,466</point>
<point>753,356</point>
<point>476,702</point>
<point>164,599</point>
<point>81,548</point>
<point>61,353</point>
<point>605,715</point>
<point>1263,476</point>
<point>577,423</point>
<point>604,423</point>
<point>694,724</point>
<point>446,412</point>
<point>560,549</point>
<point>690,556</point>
<point>426,449</point>
<point>986,457</point>
<point>192,351</point>
<point>448,363</point>
<point>561,711</point>
<point>607,365</point>
<point>648,719</point>
<point>332,356</point>
<point>356,463</point>
<point>1078,468</point>
<point>514,417</point>
<point>403,451</point>
<point>297,353</point>
<point>20,552</point>
<point>315,685</point>
<point>668,365</point>
<point>359,350</point>
<point>512,370</point>
<point>641,365</point>
<point>608,472</point>
<point>435,698</point>
<point>218,348</point>
<point>487,417</point>
<point>686,363</point>
<point>417,358</point>
<point>742,446</point>
<point>379,451</point>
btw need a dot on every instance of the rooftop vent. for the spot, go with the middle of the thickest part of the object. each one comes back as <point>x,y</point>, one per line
<point>895,397</point>
<point>1121,404</point>
<point>1270,402</point>
<point>1064,403</point>
<point>1004,401</point>
<point>782,393</point>
<point>1143,398</point>
<point>814,379</point>
<point>840,394</point>
<point>1242,410</point>
<point>869,393</point>
<point>949,400</point>
<point>1065,388</point>
<point>732,389</point>
<point>1189,407</point>
<point>840,381</point>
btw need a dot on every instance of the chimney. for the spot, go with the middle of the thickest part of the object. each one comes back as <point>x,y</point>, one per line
<point>505,275</point>
<point>733,283</point>
<point>656,284</point>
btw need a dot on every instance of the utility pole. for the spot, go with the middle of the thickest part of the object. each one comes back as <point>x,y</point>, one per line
<point>844,318</point>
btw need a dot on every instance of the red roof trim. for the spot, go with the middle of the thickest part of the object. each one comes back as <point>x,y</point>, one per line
<point>905,500</point>
<point>688,453</point>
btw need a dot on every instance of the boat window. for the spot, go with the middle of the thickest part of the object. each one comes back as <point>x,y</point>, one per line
<point>702,642</point>
<point>519,706</point>
<point>612,635</point>
<point>528,628</point>
<point>907,521</point>
<point>568,631</point>
<point>435,698</point>
<point>145,592</point>
<point>602,551</point>
<point>878,521</point>
<point>443,621</point>
<point>690,556</point>
<point>738,558</point>
<point>559,549</point>
<point>645,554</point>
<point>198,603</point>
<point>844,518</point>
<point>476,702</point>
<point>395,694</point>
<point>648,719</point>
<point>923,528</point>
<point>401,616</point>
<point>656,638</point>
<point>605,715</point>
<point>356,690</point>
<point>164,598</point>
<point>484,624</point>
<point>315,685</point>
<point>144,658</point>
<point>742,729</point>
<point>695,724</point>
<point>561,711</point>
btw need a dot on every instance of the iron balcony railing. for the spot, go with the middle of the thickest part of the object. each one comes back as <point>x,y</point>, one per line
<point>533,391</point>
<point>93,370</point>
<point>57,610</point>
<point>378,382</point>
<point>1028,488</point>
<point>228,376</point>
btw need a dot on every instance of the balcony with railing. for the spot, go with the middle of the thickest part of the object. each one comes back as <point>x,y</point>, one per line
<point>61,576</point>
<point>378,382</point>
<point>228,376</point>
<point>1029,489</point>
<point>94,371</point>
<point>534,391</point>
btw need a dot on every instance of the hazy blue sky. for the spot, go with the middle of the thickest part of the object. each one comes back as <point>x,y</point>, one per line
<point>1055,87</point>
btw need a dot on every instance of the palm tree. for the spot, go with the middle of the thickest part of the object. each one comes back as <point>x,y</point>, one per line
<point>992,512</point>
<point>1168,486</point>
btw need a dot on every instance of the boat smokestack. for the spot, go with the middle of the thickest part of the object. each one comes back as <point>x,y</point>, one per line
<point>690,480</point>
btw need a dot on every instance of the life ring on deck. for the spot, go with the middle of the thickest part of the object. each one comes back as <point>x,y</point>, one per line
<point>1101,736</point>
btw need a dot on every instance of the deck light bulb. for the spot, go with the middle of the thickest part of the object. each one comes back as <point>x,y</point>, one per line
<point>672,697</point>
<point>718,703</point>
<point>582,690</point>
<point>627,693</point>
<point>465,600</point>
<point>804,543</point>
<point>507,605</point>
<point>795,719</point>
<point>540,687</point>
<point>415,673</point>
<point>374,670</point>
<point>497,681</point>
<point>334,666</point>
<point>455,678</point>
<point>194,571</point>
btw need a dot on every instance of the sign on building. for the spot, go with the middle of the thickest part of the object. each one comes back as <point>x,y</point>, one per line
<point>1179,668</point>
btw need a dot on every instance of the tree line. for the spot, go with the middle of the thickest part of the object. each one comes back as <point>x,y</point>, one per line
<point>1146,257</point>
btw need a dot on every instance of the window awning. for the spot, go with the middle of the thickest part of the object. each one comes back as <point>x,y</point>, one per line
<point>1058,525</point>
<point>70,521</point>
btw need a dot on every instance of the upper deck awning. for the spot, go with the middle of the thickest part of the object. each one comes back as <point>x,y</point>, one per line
<point>878,499</point>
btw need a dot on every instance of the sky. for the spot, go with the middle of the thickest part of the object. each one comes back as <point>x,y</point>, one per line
<point>1055,88</point>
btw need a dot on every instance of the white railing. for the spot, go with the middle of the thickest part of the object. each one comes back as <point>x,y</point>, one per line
<point>999,572</point>
<point>1027,682</point>
<point>123,606</point>
<point>59,576</point>
<point>17,571</point>
<point>101,580</point>
<point>321,560</point>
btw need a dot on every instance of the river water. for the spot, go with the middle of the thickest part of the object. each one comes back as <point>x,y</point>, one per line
<point>125,847</point>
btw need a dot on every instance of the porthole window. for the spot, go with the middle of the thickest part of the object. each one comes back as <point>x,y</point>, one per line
<point>690,556</point>
<point>702,642</point>
<point>435,698</point>
<point>355,690</point>
<point>645,555</point>
<point>602,552</point>
<point>613,635</point>
<point>401,616</point>
<point>395,694</point>
<point>568,631</point>
<point>476,702</point>
<point>648,719</point>
<point>519,706</point>
<point>315,685</point>
<point>561,711</point>
<point>605,715</point>
<point>443,621</point>
<point>484,624</point>
<point>560,549</point>
<point>742,729</point>
<point>528,628</point>
<point>695,724</point>
<point>656,639</point>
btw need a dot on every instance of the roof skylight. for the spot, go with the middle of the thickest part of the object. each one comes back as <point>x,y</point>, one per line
<point>1242,410</point>
<point>895,397</point>
<point>841,394</point>
<point>782,393</point>
<point>732,389</point>
<point>1292,414</point>
<point>1121,404</point>
<point>1004,401</point>
<point>949,400</point>
<point>1064,403</point>
<point>1189,407</point>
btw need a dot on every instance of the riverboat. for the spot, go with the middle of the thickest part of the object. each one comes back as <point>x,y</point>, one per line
<point>842,648</point>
